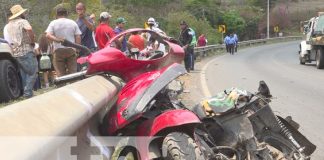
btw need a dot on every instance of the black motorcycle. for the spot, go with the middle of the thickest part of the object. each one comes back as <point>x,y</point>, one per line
<point>237,124</point>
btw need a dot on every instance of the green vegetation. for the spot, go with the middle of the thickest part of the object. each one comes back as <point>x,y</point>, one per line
<point>245,17</point>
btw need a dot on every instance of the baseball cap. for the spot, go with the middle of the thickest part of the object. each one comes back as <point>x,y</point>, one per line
<point>105,15</point>
<point>120,20</point>
<point>183,23</point>
<point>151,21</point>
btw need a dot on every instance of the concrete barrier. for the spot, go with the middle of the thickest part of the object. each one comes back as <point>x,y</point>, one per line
<point>31,129</point>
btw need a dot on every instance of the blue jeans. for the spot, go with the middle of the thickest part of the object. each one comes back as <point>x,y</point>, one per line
<point>189,58</point>
<point>28,71</point>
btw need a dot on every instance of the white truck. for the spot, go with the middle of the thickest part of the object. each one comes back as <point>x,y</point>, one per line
<point>312,48</point>
<point>10,80</point>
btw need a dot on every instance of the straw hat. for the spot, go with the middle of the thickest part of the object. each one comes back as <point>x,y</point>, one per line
<point>16,11</point>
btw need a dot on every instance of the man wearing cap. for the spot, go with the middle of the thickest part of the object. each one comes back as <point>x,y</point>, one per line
<point>86,25</point>
<point>120,25</point>
<point>187,40</point>
<point>64,58</point>
<point>153,26</point>
<point>104,32</point>
<point>23,42</point>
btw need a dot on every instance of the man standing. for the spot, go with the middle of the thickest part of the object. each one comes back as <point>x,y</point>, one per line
<point>231,44</point>
<point>188,43</point>
<point>86,26</point>
<point>104,32</point>
<point>202,41</point>
<point>226,39</point>
<point>64,58</point>
<point>23,42</point>
<point>236,41</point>
<point>120,25</point>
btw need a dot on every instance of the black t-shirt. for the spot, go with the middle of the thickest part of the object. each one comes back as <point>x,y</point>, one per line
<point>185,37</point>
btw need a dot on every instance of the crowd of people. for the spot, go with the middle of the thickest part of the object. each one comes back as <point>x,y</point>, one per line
<point>231,42</point>
<point>50,58</point>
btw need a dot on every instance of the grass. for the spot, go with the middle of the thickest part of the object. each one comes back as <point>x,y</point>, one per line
<point>36,93</point>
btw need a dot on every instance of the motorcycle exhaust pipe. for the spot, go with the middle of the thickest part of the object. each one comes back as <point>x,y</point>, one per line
<point>71,77</point>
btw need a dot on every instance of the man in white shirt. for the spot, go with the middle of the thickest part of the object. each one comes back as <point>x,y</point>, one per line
<point>64,58</point>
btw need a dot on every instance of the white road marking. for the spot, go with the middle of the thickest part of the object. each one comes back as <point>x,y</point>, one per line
<point>203,79</point>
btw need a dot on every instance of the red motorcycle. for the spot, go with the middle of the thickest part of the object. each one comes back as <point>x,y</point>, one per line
<point>146,105</point>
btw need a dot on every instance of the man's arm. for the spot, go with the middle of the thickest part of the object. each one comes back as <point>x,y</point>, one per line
<point>78,39</point>
<point>188,39</point>
<point>77,33</point>
<point>51,37</point>
<point>31,35</point>
<point>29,31</point>
<point>88,23</point>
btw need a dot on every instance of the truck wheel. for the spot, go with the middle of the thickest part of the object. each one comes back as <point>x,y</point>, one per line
<point>179,146</point>
<point>10,84</point>
<point>320,58</point>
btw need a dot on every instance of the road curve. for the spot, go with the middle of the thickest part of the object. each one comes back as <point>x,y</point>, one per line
<point>298,89</point>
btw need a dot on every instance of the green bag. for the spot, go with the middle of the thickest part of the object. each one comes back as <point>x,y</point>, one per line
<point>45,62</point>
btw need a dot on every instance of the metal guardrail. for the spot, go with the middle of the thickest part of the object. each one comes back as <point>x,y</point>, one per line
<point>33,129</point>
<point>213,48</point>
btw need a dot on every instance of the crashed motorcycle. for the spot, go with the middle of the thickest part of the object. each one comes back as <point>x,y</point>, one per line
<point>237,124</point>
<point>241,127</point>
<point>146,105</point>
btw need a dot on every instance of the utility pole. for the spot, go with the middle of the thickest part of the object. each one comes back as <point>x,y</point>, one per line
<point>268,19</point>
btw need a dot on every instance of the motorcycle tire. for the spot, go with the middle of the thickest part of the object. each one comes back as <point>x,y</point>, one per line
<point>128,154</point>
<point>180,146</point>
<point>280,143</point>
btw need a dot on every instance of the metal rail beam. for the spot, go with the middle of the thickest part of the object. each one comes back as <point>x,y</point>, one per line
<point>203,50</point>
<point>31,129</point>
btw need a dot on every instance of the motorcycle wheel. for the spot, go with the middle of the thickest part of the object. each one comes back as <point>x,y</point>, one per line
<point>280,145</point>
<point>126,154</point>
<point>180,146</point>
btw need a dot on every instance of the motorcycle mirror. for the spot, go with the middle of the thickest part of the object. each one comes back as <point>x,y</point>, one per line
<point>264,89</point>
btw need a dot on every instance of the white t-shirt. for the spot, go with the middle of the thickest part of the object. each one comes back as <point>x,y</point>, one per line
<point>6,34</point>
<point>63,28</point>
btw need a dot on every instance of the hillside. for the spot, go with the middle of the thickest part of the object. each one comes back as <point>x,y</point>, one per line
<point>245,17</point>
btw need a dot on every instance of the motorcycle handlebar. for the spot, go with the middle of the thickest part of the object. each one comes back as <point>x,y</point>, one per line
<point>83,49</point>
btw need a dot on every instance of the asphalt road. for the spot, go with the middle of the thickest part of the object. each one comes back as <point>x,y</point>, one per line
<point>298,89</point>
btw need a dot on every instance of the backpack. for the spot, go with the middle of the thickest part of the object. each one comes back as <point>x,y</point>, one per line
<point>45,61</point>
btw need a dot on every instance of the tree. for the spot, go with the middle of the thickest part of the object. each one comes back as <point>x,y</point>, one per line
<point>234,22</point>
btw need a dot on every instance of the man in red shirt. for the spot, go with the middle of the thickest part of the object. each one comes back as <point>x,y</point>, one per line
<point>104,32</point>
<point>202,41</point>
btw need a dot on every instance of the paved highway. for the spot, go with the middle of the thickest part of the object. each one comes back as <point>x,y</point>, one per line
<point>298,89</point>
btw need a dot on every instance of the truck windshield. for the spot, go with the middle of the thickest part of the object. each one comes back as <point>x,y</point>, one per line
<point>319,29</point>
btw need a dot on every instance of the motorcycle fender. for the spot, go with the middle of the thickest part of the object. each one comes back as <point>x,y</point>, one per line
<point>167,120</point>
<point>301,139</point>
